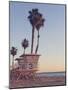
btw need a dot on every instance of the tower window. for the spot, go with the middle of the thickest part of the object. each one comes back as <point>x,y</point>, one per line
<point>30,66</point>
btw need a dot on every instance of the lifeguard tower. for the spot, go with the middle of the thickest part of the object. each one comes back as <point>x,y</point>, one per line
<point>28,64</point>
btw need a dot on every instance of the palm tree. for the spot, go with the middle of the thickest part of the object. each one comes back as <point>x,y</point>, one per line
<point>40,24</point>
<point>36,21</point>
<point>13,53</point>
<point>33,20</point>
<point>25,44</point>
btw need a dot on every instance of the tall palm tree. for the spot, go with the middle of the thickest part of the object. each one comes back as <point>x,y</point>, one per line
<point>25,44</point>
<point>13,53</point>
<point>36,21</point>
<point>40,24</point>
<point>33,20</point>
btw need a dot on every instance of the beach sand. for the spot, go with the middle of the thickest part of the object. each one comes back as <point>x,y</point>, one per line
<point>38,82</point>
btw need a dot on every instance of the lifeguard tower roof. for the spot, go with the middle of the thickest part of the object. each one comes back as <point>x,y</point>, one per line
<point>29,55</point>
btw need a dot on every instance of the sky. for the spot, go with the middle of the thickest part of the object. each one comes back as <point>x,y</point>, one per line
<point>52,34</point>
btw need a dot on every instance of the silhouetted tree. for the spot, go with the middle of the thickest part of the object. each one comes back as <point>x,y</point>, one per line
<point>40,24</point>
<point>33,20</point>
<point>36,21</point>
<point>25,44</point>
<point>13,53</point>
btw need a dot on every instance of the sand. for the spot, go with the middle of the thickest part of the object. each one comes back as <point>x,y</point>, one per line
<point>38,81</point>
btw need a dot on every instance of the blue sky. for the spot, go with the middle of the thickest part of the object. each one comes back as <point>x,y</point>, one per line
<point>52,35</point>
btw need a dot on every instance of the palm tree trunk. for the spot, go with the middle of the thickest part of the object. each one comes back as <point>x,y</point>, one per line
<point>13,62</point>
<point>37,43</point>
<point>32,40</point>
<point>24,51</point>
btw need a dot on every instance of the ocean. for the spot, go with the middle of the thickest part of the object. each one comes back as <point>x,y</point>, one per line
<point>51,74</point>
